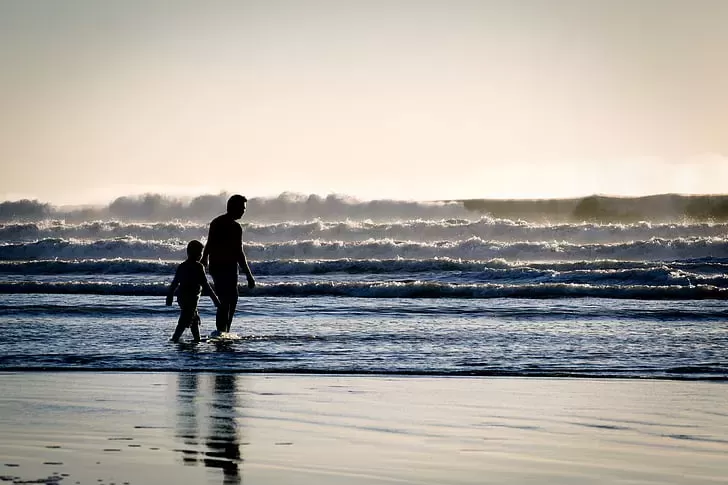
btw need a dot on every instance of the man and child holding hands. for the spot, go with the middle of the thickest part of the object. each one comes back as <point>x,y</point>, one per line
<point>224,255</point>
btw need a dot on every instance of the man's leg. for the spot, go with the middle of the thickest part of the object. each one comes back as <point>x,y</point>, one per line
<point>226,287</point>
<point>221,315</point>
<point>232,305</point>
<point>225,312</point>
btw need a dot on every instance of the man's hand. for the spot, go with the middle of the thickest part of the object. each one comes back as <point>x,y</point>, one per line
<point>251,282</point>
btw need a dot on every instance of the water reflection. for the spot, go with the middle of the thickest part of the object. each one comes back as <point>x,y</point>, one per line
<point>187,424</point>
<point>222,439</point>
<point>211,415</point>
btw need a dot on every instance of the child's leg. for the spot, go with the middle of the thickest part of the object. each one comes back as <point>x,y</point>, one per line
<point>186,315</point>
<point>195,326</point>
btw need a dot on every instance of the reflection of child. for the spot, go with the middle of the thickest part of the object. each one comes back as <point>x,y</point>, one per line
<point>191,279</point>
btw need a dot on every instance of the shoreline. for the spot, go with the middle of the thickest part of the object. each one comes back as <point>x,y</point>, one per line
<point>230,428</point>
<point>365,374</point>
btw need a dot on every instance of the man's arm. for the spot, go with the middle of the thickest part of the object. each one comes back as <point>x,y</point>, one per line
<point>206,251</point>
<point>243,263</point>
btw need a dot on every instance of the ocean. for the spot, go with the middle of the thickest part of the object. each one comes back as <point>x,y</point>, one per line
<point>382,287</point>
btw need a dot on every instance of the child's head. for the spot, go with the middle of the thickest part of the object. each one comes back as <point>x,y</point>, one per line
<point>194,250</point>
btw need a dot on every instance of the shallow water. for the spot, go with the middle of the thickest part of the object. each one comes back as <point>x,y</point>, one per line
<point>509,336</point>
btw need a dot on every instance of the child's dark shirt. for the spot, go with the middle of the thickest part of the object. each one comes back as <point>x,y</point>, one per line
<point>191,278</point>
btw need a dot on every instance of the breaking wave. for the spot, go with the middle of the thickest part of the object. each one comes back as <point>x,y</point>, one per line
<point>474,248</point>
<point>501,230</point>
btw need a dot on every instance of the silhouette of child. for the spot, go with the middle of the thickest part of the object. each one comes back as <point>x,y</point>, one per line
<point>191,279</point>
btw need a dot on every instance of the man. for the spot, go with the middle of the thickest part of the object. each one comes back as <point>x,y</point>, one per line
<point>224,254</point>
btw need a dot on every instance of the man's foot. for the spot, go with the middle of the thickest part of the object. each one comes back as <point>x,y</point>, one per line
<point>214,333</point>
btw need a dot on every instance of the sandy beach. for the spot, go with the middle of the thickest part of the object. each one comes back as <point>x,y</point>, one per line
<point>149,428</point>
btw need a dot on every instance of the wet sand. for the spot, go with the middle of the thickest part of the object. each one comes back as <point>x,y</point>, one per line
<point>154,428</point>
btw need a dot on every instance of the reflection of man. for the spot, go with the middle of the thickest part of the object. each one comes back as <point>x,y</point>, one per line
<point>224,254</point>
<point>222,450</point>
<point>223,442</point>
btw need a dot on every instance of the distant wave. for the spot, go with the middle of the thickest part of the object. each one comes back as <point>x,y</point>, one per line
<point>473,248</point>
<point>287,206</point>
<point>299,207</point>
<point>397,289</point>
<point>501,230</point>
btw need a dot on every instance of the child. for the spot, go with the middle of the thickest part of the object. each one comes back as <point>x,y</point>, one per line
<point>191,279</point>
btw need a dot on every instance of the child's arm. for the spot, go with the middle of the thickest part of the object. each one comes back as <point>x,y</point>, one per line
<point>172,287</point>
<point>206,286</point>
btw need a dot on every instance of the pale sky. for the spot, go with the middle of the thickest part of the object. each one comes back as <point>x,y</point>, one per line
<point>403,99</point>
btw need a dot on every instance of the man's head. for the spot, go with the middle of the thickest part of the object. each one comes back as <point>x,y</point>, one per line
<point>236,206</point>
<point>194,250</point>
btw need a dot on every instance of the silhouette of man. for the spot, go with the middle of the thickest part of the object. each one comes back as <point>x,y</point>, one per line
<point>224,254</point>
